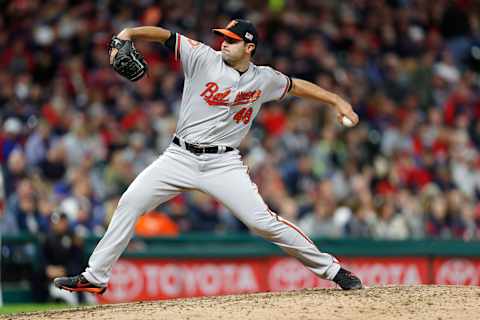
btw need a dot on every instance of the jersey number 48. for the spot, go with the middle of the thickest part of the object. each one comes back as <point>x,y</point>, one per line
<point>244,115</point>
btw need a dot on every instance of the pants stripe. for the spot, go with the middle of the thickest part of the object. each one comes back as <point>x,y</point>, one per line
<point>291,225</point>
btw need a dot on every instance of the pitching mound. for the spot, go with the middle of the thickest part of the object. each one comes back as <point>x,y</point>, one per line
<point>398,302</point>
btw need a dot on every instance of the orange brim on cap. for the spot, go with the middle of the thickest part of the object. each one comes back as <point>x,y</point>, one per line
<point>227,33</point>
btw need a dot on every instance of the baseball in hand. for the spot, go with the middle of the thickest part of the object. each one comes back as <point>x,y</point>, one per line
<point>347,122</point>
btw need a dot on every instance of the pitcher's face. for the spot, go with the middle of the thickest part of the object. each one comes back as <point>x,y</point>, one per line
<point>235,50</point>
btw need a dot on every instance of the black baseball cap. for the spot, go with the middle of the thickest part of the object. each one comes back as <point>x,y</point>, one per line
<point>239,29</point>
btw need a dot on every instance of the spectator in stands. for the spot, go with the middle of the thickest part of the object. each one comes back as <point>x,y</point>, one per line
<point>321,222</point>
<point>61,254</point>
<point>361,224</point>
<point>204,213</point>
<point>22,206</point>
<point>38,143</point>
<point>10,138</point>
<point>390,224</point>
<point>53,166</point>
<point>437,219</point>
<point>299,177</point>
<point>8,223</point>
<point>467,228</point>
<point>81,142</point>
<point>179,212</point>
<point>118,174</point>
<point>137,153</point>
<point>84,211</point>
<point>14,171</point>
<point>409,208</point>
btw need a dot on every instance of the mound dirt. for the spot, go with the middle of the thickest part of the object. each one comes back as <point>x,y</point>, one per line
<point>391,302</point>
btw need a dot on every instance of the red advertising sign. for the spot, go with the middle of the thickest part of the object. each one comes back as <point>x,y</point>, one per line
<point>394,270</point>
<point>456,271</point>
<point>166,279</point>
<point>155,279</point>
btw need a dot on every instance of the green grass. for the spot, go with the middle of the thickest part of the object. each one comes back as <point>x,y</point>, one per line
<point>31,307</point>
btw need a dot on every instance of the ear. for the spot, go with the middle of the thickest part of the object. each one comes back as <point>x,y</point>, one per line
<point>250,47</point>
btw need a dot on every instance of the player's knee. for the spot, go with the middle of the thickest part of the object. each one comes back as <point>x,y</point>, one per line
<point>263,224</point>
<point>131,202</point>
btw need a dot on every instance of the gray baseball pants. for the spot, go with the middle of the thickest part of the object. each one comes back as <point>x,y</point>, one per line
<point>222,176</point>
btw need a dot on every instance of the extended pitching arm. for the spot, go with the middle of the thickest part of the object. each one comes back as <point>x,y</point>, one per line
<point>306,89</point>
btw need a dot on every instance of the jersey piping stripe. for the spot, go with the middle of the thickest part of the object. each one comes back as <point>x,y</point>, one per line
<point>286,88</point>
<point>177,47</point>
<point>291,225</point>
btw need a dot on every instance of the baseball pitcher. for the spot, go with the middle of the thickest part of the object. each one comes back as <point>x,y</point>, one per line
<point>222,94</point>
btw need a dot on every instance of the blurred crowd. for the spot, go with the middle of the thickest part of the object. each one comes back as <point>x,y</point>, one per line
<point>73,134</point>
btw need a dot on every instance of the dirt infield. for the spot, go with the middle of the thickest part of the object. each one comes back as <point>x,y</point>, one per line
<point>396,302</point>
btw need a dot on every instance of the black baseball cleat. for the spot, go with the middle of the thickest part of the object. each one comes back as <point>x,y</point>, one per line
<point>347,280</point>
<point>78,284</point>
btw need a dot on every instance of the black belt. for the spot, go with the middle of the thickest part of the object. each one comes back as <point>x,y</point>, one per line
<point>197,149</point>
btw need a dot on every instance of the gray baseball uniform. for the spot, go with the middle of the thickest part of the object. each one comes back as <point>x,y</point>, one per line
<point>218,107</point>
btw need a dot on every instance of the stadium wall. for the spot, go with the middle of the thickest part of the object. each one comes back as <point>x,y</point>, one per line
<point>204,265</point>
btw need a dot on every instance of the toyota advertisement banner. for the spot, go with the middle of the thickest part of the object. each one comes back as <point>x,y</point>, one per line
<point>153,279</point>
